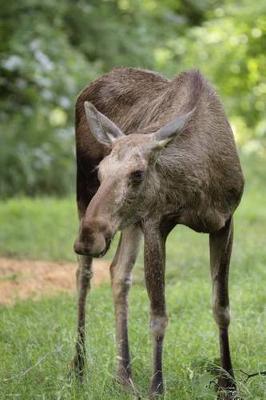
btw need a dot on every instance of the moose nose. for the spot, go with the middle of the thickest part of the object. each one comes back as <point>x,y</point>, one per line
<point>96,249</point>
<point>93,243</point>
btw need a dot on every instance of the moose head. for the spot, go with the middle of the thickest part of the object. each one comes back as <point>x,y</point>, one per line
<point>128,179</point>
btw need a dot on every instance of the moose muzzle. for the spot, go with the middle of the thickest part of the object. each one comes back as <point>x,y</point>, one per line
<point>94,238</point>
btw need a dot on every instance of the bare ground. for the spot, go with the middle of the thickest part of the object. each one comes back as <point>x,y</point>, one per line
<point>20,280</point>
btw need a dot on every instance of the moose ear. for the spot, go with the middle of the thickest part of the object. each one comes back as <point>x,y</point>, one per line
<point>167,132</point>
<point>102,128</point>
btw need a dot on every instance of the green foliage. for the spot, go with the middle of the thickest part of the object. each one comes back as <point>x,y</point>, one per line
<point>230,48</point>
<point>40,75</point>
<point>50,50</point>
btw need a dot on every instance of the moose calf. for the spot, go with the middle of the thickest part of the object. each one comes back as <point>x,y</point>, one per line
<point>153,153</point>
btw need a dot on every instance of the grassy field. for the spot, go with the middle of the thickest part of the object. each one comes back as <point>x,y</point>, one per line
<point>37,338</point>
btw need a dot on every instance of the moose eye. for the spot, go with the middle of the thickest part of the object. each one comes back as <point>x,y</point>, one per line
<point>137,176</point>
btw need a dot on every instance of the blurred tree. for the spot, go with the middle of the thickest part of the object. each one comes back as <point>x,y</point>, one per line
<point>230,48</point>
<point>40,73</point>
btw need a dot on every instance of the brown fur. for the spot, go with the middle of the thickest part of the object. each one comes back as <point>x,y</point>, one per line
<point>205,156</point>
<point>195,180</point>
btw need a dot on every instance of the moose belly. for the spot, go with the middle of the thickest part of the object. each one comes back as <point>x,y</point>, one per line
<point>207,221</point>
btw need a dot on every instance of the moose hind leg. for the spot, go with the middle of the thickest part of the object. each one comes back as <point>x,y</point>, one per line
<point>121,268</point>
<point>220,253</point>
<point>84,275</point>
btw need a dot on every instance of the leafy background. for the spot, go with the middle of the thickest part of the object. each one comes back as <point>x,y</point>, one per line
<point>50,50</point>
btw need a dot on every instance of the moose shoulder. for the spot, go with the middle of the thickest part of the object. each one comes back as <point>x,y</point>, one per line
<point>153,153</point>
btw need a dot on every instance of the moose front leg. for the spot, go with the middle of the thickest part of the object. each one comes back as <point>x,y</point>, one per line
<point>84,275</point>
<point>154,263</point>
<point>220,253</point>
<point>121,281</point>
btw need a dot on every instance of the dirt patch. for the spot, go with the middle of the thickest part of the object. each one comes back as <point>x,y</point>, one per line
<point>22,279</point>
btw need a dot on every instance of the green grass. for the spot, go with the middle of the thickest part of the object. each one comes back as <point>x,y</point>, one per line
<point>37,338</point>
<point>42,228</point>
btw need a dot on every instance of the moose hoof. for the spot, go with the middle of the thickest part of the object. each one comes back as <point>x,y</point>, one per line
<point>156,388</point>
<point>227,394</point>
<point>227,389</point>
<point>77,367</point>
<point>124,379</point>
